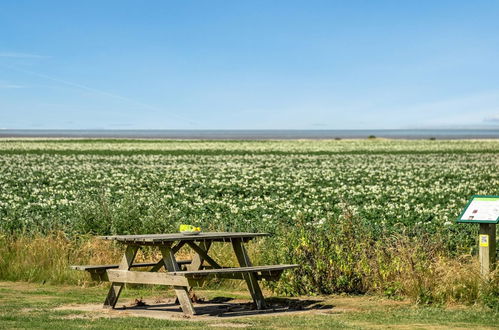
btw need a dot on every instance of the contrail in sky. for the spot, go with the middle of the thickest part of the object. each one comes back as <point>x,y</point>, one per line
<point>94,90</point>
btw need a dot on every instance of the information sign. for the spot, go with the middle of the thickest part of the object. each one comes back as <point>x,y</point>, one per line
<point>481,209</point>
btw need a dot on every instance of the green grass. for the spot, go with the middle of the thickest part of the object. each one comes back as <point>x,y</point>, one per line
<point>24,305</point>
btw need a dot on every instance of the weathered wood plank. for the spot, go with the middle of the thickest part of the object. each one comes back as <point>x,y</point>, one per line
<point>115,290</point>
<point>251,279</point>
<point>197,262</point>
<point>274,275</point>
<point>126,276</point>
<point>269,276</point>
<point>181,291</point>
<point>252,269</point>
<point>161,238</point>
<point>104,267</point>
<point>136,265</point>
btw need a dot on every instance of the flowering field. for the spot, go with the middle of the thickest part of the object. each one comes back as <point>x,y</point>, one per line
<point>409,188</point>
<point>46,185</point>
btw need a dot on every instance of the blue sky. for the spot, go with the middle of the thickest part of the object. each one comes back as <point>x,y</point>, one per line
<point>249,64</point>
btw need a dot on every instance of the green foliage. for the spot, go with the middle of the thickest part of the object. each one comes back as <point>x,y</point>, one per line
<point>490,295</point>
<point>330,255</point>
<point>360,216</point>
<point>347,255</point>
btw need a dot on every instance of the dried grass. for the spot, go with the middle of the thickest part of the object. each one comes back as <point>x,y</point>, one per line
<point>47,258</point>
<point>414,268</point>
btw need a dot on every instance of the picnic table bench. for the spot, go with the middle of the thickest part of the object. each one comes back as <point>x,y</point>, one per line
<point>183,274</point>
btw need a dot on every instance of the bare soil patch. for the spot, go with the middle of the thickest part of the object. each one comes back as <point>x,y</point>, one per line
<point>215,308</point>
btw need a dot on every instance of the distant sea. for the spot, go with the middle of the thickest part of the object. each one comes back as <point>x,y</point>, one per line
<point>259,134</point>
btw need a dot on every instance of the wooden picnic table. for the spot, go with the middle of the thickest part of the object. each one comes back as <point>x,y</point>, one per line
<point>183,274</point>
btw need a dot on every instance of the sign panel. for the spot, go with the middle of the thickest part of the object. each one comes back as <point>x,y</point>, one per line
<point>481,209</point>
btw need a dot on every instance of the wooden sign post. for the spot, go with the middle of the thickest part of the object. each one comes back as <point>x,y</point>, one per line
<point>484,210</point>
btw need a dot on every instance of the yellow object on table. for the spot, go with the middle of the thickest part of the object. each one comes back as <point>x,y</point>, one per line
<point>189,228</point>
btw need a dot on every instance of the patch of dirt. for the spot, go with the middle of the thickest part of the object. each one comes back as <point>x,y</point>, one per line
<point>229,325</point>
<point>92,311</point>
<point>161,307</point>
<point>213,309</point>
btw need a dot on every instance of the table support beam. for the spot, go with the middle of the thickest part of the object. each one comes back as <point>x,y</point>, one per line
<point>250,278</point>
<point>202,255</point>
<point>126,263</point>
<point>197,260</point>
<point>181,291</point>
<point>127,276</point>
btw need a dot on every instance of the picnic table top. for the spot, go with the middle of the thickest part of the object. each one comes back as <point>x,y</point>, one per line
<point>203,236</point>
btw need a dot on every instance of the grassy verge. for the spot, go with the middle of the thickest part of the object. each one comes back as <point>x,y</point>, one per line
<point>28,305</point>
<point>331,262</point>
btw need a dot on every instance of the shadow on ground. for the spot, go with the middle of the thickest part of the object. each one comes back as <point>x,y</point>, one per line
<point>228,307</point>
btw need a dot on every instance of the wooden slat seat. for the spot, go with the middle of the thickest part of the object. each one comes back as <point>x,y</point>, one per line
<point>188,278</point>
<point>96,268</point>
<point>271,272</point>
<point>252,269</point>
<point>98,272</point>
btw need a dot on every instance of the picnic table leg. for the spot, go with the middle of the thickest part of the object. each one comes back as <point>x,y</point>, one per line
<point>250,278</point>
<point>197,262</point>
<point>115,290</point>
<point>181,291</point>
